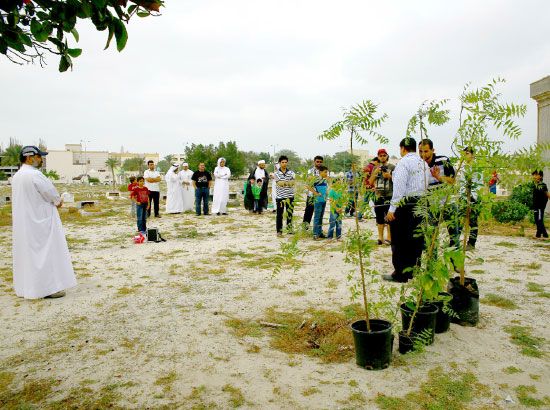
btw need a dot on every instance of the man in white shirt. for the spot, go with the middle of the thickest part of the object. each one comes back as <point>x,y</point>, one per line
<point>411,178</point>
<point>152,182</point>
<point>41,261</point>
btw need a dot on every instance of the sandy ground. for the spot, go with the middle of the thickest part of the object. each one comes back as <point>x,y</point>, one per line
<point>150,319</point>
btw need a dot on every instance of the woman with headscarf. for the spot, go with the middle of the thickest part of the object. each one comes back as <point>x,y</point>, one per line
<point>221,188</point>
<point>174,194</point>
<point>187,187</point>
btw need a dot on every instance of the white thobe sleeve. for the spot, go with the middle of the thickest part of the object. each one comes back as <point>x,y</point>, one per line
<point>46,189</point>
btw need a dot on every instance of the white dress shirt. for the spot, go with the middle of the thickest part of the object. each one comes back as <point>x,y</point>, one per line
<point>411,177</point>
<point>152,186</point>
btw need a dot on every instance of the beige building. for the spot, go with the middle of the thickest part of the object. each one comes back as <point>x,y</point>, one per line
<point>364,156</point>
<point>73,164</point>
<point>540,92</point>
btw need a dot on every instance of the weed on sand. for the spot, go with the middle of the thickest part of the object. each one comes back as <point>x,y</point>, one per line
<point>452,390</point>
<point>524,397</point>
<point>318,333</point>
<point>499,301</point>
<point>530,345</point>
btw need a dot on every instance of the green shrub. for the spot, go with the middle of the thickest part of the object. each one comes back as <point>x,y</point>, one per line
<point>123,188</point>
<point>509,211</point>
<point>523,194</point>
<point>93,180</point>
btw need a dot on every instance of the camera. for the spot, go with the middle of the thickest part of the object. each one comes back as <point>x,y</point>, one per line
<point>384,168</point>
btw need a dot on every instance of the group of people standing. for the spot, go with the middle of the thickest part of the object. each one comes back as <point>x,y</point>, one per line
<point>184,188</point>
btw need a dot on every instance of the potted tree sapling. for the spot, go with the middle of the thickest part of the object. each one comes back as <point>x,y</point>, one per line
<point>425,291</point>
<point>481,113</point>
<point>373,338</point>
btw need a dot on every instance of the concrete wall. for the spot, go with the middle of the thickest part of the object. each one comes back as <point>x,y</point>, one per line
<point>540,92</point>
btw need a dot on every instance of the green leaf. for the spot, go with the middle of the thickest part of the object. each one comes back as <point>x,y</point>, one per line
<point>110,37</point>
<point>121,35</point>
<point>64,63</point>
<point>143,13</point>
<point>3,46</point>
<point>74,52</point>
<point>25,39</point>
<point>132,8</point>
<point>75,35</point>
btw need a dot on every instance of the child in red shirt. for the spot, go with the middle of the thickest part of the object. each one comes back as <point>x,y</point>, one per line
<point>140,195</point>
<point>131,187</point>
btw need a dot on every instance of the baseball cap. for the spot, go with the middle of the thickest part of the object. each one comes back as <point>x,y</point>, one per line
<point>382,151</point>
<point>30,150</point>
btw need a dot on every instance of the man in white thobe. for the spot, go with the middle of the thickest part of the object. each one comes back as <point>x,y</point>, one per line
<point>188,191</point>
<point>174,188</point>
<point>221,188</point>
<point>41,261</point>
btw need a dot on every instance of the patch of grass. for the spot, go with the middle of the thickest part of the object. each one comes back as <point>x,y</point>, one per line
<point>357,397</point>
<point>442,390</point>
<point>166,381</point>
<point>228,253</point>
<point>5,215</point>
<point>506,244</point>
<point>521,336</point>
<point>318,333</point>
<point>236,398</point>
<point>477,271</point>
<point>332,284</point>
<point>511,280</point>
<point>253,349</point>
<point>512,370</point>
<point>241,328</point>
<point>6,378</point>
<point>534,287</point>
<point>298,293</point>
<point>523,394</point>
<point>87,398</point>
<point>499,301</point>
<point>310,391</point>
<point>33,392</point>
<point>123,291</point>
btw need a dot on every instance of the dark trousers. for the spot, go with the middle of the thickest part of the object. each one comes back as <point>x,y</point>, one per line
<point>350,208</point>
<point>154,196</point>
<point>407,242</point>
<point>141,213</point>
<point>539,221</point>
<point>201,194</point>
<point>308,212</point>
<point>281,204</point>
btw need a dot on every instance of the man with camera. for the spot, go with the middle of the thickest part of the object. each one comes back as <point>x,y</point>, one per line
<point>381,179</point>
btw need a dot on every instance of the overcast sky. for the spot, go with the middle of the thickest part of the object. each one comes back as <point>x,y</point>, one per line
<point>264,73</point>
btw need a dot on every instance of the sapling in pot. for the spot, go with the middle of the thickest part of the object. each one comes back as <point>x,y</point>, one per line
<point>372,337</point>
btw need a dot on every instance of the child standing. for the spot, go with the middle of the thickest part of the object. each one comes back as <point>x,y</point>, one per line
<point>131,187</point>
<point>336,212</point>
<point>256,191</point>
<point>140,195</point>
<point>320,201</point>
<point>540,198</point>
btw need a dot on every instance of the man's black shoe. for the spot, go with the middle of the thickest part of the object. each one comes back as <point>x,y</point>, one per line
<point>391,278</point>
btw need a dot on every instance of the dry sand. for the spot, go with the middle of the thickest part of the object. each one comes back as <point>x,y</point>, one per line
<point>150,318</point>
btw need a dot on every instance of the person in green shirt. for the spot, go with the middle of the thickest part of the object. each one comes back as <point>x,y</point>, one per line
<point>256,191</point>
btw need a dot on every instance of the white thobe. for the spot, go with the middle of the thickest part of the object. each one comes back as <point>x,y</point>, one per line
<point>221,190</point>
<point>41,259</point>
<point>174,192</point>
<point>188,191</point>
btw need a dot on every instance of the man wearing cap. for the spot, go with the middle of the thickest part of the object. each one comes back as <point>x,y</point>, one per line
<point>41,261</point>
<point>381,180</point>
<point>259,173</point>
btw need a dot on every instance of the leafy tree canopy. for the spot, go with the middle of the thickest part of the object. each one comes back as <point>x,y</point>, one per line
<point>134,164</point>
<point>10,156</point>
<point>30,29</point>
<point>209,154</point>
<point>341,161</point>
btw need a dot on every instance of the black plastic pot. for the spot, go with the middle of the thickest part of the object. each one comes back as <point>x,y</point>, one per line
<point>465,302</point>
<point>442,319</point>
<point>373,349</point>
<point>423,320</point>
<point>406,343</point>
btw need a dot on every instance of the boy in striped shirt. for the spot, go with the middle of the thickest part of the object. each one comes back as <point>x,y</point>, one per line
<point>284,188</point>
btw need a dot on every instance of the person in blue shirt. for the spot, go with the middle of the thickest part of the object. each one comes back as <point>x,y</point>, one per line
<point>320,190</point>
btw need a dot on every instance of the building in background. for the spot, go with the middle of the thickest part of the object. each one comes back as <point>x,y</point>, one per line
<point>75,165</point>
<point>540,92</point>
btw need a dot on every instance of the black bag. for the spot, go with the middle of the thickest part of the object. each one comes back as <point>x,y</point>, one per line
<point>153,235</point>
